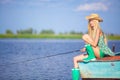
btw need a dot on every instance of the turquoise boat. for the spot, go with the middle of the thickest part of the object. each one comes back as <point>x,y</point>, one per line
<point>107,68</point>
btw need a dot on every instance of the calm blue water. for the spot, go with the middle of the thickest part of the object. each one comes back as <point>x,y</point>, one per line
<point>13,53</point>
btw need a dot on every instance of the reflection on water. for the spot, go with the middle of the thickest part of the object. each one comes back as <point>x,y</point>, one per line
<point>52,68</point>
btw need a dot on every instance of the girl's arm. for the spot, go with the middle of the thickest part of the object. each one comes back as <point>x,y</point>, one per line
<point>83,50</point>
<point>96,38</point>
<point>91,41</point>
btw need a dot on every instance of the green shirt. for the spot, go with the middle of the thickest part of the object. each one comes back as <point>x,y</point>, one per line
<point>103,47</point>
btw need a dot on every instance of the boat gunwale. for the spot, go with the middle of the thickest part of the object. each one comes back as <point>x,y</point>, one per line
<point>106,59</point>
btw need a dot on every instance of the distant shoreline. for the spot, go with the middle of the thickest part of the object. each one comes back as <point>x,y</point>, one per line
<point>52,36</point>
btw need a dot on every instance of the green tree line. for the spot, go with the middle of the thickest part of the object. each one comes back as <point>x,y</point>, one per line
<point>49,34</point>
<point>32,31</point>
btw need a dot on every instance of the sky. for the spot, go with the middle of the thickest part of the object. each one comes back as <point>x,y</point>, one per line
<point>58,15</point>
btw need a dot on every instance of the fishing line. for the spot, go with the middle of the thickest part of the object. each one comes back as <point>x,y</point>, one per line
<point>116,54</point>
<point>40,58</point>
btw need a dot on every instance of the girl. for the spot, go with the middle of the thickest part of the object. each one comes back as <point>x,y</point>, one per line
<point>96,43</point>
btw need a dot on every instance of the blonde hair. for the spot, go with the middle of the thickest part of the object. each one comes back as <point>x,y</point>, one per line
<point>92,32</point>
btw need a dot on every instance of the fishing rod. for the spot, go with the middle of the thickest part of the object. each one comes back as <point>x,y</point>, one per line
<point>116,54</point>
<point>41,57</point>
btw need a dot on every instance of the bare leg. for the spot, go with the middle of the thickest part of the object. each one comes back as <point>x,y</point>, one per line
<point>96,51</point>
<point>89,40</point>
<point>78,58</point>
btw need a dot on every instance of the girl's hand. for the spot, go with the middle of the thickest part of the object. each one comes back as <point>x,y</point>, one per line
<point>83,50</point>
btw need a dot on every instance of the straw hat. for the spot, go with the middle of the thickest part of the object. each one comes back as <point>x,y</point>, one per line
<point>94,17</point>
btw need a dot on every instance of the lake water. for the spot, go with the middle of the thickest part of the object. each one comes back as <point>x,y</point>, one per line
<point>20,59</point>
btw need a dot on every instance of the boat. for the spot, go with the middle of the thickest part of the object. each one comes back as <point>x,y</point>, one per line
<point>107,68</point>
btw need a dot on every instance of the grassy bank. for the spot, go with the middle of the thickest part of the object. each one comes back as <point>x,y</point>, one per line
<point>116,37</point>
<point>42,36</point>
<point>51,36</point>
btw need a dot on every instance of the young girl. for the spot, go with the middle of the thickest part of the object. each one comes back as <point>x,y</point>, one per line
<point>96,43</point>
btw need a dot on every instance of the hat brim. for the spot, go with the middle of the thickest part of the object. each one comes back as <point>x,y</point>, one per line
<point>94,18</point>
